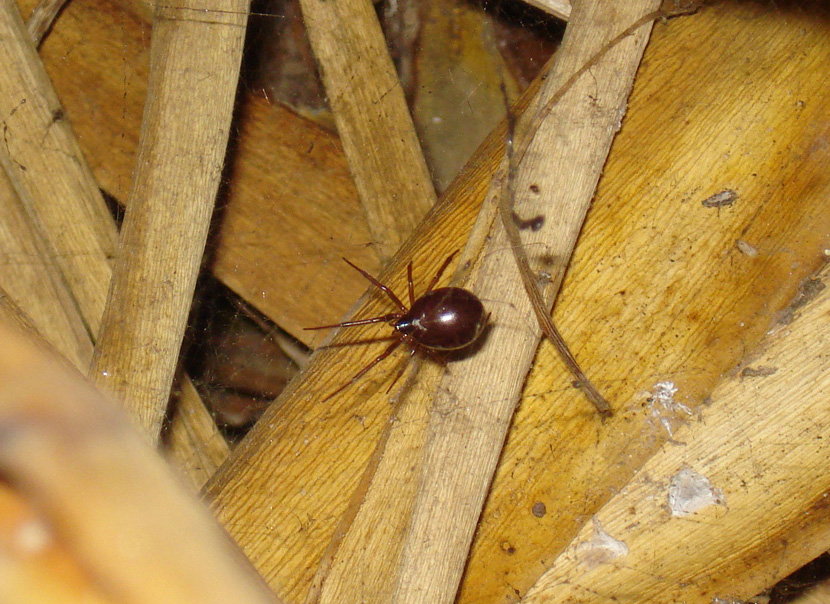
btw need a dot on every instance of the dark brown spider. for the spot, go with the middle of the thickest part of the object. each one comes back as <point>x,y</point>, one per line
<point>448,318</point>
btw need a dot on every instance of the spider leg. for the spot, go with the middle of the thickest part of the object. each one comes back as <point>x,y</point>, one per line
<point>382,319</point>
<point>404,365</point>
<point>379,285</point>
<point>359,342</point>
<point>362,372</point>
<point>440,272</point>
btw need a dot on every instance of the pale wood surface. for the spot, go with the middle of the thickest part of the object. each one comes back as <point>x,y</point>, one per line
<point>194,443</point>
<point>755,519</point>
<point>291,210</point>
<point>12,314</point>
<point>372,118</point>
<point>42,17</point>
<point>35,568</point>
<point>32,280</point>
<point>105,494</point>
<point>59,193</point>
<point>658,291</point>
<point>472,406</point>
<point>557,8</point>
<point>194,70</point>
<point>64,311</point>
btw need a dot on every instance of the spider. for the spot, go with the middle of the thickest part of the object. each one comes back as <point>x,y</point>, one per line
<point>443,319</point>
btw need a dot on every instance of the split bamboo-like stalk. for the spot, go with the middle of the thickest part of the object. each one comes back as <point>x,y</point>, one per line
<point>473,406</point>
<point>372,118</point>
<point>557,8</point>
<point>195,58</point>
<point>35,567</point>
<point>289,193</point>
<point>59,192</point>
<point>65,310</point>
<point>718,513</point>
<point>32,279</point>
<point>12,314</point>
<point>42,18</point>
<point>194,443</point>
<point>105,495</point>
<point>662,289</point>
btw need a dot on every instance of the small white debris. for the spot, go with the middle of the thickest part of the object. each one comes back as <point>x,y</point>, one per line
<point>664,393</point>
<point>665,409</point>
<point>747,248</point>
<point>690,492</point>
<point>617,126</point>
<point>601,549</point>
<point>32,536</point>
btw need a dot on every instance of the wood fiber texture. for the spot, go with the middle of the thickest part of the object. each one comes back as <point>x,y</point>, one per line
<point>661,291</point>
<point>704,323</point>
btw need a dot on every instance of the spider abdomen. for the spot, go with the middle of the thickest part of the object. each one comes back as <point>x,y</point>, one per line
<point>448,318</point>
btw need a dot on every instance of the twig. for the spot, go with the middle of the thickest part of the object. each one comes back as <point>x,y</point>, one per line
<point>68,244</point>
<point>42,18</point>
<point>97,483</point>
<point>539,306</point>
<point>507,214</point>
<point>373,122</point>
<point>184,134</point>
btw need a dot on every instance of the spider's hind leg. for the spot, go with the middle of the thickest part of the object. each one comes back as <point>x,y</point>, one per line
<point>382,319</point>
<point>379,285</point>
<point>362,372</point>
<point>440,272</point>
<point>400,372</point>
